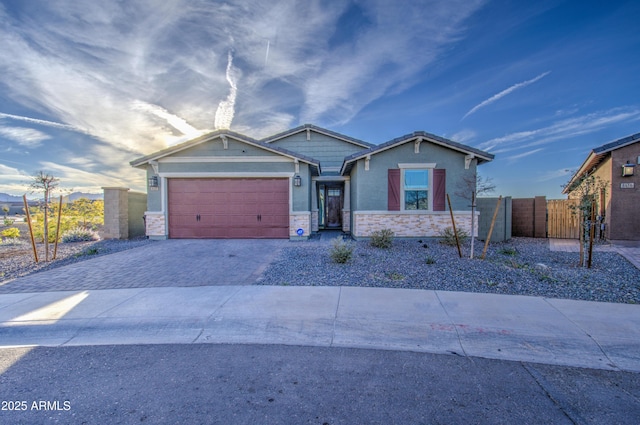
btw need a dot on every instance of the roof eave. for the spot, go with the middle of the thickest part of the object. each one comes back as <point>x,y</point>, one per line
<point>320,130</point>
<point>592,161</point>
<point>480,155</point>
<point>141,162</point>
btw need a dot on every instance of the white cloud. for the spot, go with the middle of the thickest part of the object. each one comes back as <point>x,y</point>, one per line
<point>464,136</point>
<point>12,180</point>
<point>78,179</point>
<point>523,155</point>
<point>90,65</point>
<point>562,130</point>
<point>555,174</point>
<point>505,92</point>
<point>26,137</point>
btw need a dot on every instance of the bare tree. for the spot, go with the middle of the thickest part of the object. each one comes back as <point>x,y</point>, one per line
<point>43,182</point>
<point>469,187</point>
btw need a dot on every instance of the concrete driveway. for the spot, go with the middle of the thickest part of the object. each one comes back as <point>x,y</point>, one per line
<point>174,262</point>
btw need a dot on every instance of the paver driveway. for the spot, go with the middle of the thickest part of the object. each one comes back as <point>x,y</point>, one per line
<point>175,262</point>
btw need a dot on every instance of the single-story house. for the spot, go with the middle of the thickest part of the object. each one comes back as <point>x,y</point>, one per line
<point>305,180</point>
<point>616,164</point>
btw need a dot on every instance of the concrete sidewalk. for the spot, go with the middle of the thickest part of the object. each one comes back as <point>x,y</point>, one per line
<point>630,251</point>
<point>520,328</point>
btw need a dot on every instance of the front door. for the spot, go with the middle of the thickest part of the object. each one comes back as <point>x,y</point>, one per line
<point>333,210</point>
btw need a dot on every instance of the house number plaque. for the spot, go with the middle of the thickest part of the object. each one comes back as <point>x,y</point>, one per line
<point>627,185</point>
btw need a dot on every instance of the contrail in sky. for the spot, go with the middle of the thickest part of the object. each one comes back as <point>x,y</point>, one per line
<point>505,92</point>
<point>176,122</point>
<point>225,111</point>
<point>40,122</point>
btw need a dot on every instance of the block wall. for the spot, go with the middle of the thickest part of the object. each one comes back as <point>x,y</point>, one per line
<point>529,217</point>
<point>502,226</point>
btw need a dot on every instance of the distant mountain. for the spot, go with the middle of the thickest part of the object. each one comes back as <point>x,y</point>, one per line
<point>77,195</point>
<point>5,197</point>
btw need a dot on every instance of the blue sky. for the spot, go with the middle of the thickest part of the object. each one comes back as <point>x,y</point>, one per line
<point>88,86</point>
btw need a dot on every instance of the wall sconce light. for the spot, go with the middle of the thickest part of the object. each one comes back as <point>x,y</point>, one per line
<point>153,182</point>
<point>297,181</point>
<point>627,169</point>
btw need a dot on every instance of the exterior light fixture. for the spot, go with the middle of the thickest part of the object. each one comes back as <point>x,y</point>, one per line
<point>153,182</point>
<point>297,181</point>
<point>627,169</point>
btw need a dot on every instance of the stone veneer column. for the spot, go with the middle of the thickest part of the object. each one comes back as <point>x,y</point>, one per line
<point>314,206</point>
<point>346,209</point>
<point>299,220</point>
<point>156,226</point>
<point>116,213</point>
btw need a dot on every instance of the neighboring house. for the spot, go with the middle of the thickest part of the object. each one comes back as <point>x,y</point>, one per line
<point>615,163</point>
<point>307,179</point>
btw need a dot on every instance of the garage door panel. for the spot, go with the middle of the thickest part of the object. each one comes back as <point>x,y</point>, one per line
<point>228,208</point>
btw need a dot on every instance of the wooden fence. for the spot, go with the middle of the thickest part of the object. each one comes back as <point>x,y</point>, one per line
<point>562,220</point>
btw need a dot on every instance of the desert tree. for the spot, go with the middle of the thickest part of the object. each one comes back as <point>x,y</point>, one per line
<point>587,191</point>
<point>44,183</point>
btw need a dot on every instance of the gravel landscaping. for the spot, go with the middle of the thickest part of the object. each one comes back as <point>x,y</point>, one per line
<point>521,266</point>
<point>16,259</point>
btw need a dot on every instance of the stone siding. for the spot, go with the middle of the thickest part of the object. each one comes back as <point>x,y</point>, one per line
<point>346,221</point>
<point>314,221</point>
<point>156,226</point>
<point>299,221</point>
<point>410,224</point>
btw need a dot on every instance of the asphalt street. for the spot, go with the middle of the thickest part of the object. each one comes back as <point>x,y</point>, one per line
<point>278,384</point>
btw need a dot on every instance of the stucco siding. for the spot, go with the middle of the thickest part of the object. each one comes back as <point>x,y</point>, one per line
<point>301,195</point>
<point>372,184</point>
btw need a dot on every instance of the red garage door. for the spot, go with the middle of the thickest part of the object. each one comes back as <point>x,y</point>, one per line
<point>228,208</point>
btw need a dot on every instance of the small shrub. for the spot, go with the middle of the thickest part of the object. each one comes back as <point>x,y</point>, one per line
<point>395,276</point>
<point>80,234</point>
<point>382,238</point>
<point>8,221</point>
<point>449,238</point>
<point>341,250</point>
<point>12,242</point>
<point>430,260</point>
<point>508,251</point>
<point>11,233</point>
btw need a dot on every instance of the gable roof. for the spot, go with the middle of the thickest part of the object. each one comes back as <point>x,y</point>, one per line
<point>597,155</point>
<point>482,156</point>
<point>311,127</point>
<point>142,161</point>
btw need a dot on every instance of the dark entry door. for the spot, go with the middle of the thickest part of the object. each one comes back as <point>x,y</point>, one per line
<point>334,207</point>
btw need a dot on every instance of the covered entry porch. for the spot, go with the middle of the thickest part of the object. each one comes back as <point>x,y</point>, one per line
<point>331,204</point>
